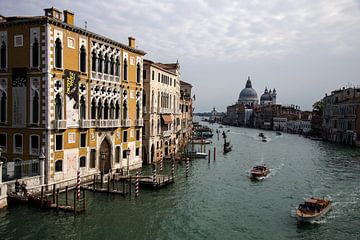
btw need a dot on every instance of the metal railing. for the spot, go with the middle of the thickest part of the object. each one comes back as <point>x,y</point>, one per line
<point>100,123</point>
<point>140,122</point>
<point>60,124</point>
<point>126,123</point>
<point>19,169</point>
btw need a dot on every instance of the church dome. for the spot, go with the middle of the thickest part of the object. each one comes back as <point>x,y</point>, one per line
<point>248,94</point>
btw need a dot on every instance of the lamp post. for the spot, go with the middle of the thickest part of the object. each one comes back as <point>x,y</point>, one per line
<point>128,159</point>
<point>42,166</point>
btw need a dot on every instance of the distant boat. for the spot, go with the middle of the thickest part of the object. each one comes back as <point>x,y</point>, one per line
<point>259,172</point>
<point>313,209</point>
<point>264,140</point>
<point>278,133</point>
<point>227,146</point>
<point>262,135</point>
<point>316,138</point>
<point>200,141</point>
<point>194,155</point>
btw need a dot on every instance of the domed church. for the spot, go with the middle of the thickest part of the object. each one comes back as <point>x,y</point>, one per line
<point>268,97</point>
<point>248,95</point>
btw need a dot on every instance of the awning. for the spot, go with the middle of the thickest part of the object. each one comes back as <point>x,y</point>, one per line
<point>167,118</point>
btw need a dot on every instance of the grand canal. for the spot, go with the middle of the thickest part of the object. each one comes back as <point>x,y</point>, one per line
<point>217,200</point>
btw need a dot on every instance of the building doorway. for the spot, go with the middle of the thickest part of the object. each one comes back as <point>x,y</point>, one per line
<point>105,157</point>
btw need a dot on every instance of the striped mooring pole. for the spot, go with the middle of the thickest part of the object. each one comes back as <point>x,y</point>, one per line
<point>137,184</point>
<point>187,167</point>
<point>161,164</point>
<point>172,169</point>
<point>154,177</point>
<point>78,181</point>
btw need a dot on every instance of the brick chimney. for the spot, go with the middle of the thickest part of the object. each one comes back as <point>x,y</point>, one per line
<point>68,17</point>
<point>53,13</point>
<point>132,42</point>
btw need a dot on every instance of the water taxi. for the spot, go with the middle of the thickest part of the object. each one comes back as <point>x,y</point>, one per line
<point>313,209</point>
<point>259,172</point>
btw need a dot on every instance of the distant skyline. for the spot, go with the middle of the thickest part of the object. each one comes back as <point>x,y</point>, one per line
<point>304,48</point>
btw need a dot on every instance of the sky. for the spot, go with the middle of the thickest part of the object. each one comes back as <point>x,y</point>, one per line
<point>303,48</point>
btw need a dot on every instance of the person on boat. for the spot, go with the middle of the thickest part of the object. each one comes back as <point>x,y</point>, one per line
<point>23,188</point>
<point>17,187</point>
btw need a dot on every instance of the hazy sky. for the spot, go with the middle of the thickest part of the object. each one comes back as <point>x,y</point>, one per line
<point>303,48</point>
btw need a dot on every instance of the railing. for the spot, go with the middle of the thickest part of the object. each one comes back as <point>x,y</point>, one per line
<point>166,133</point>
<point>60,124</point>
<point>139,122</point>
<point>165,110</point>
<point>116,79</point>
<point>126,123</point>
<point>16,170</point>
<point>100,123</point>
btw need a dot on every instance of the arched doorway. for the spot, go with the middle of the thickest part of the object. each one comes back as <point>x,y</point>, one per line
<point>105,156</point>
<point>144,155</point>
<point>152,153</point>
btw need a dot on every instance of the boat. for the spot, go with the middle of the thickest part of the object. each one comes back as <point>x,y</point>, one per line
<point>312,209</point>
<point>259,171</point>
<point>262,135</point>
<point>194,155</point>
<point>227,147</point>
<point>278,133</point>
<point>264,140</point>
<point>200,141</point>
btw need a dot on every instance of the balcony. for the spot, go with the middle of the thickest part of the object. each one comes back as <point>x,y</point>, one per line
<point>59,124</point>
<point>126,123</point>
<point>166,133</point>
<point>140,122</point>
<point>165,111</point>
<point>100,123</point>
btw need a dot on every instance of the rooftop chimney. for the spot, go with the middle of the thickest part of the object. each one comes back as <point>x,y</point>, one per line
<point>132,42</point>
<point>68,17</point>
<point>53,13</point>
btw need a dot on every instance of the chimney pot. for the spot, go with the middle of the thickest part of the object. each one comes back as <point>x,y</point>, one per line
<point>132,42</point>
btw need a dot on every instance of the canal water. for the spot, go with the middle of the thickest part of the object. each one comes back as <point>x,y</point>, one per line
<point>218,200</point>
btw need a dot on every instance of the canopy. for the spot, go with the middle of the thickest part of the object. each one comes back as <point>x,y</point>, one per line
<point>167,118</point>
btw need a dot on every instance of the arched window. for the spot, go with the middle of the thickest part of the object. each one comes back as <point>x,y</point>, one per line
<point>35,53</point>
<point>3,105</point>
<point>106,66</point>
<point>117,67</point>
<point>117,110</point>
<point>106,110</point>
<point>125,110</point>
<point>125,70</point>
<point>112,63</point>
<point>93,109</point>
<point>93,61</point>
<point>35,108</point>
<point>3,55</point>
<point>100,108</point>
<point>58,53</point>
<point>100,62</point>
<point>82,108</point>
<point>82,59</point>
<point>58,166</point>
<point>82,161</point>
<point>138,73</point>
<point>112,110</point>
<point>58,107</point>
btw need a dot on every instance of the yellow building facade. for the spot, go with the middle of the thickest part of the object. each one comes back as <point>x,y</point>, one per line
<point>68,93</point>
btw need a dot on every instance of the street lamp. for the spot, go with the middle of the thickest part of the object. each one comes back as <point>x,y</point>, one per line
<point>42,166</point>
<point>128,159</point>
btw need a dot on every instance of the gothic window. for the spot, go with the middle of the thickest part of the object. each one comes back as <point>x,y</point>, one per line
<point>58,166</point>
<point>3,55</point>
<point>82,59</point>
<point>125,110</point>
<point>106,110</point>
<point>117,111</point>
<point>3,104</point>
<point>34,144</point>
<point>100,108</point>
<point>112,63</point>
<point>58,53</point>
<point>93,109</point>
<point>93,61</point>
<point>106,66</point>
<point>112,110</point>
<point>100,62</point>
<point>125,70</point>
<point>58,107</point>
<point>138,73</point>
<point>35,53</point>
<point>82,108</point>
<point>58,142</point>
<point>18,143</point>
<point>35,108</point>
<point>117,67</point>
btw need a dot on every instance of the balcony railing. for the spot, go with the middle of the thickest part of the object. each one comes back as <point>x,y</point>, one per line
<point>165,111</point>
<point>139,122</point>
<point>100,123</point>
<point>60,124</point>
<point>166,133</point>
<point>126,123</point>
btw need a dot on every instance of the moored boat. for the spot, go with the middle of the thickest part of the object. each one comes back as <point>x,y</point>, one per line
<point>313,209</point>
<point>259,171</point>
<point>194,155</point>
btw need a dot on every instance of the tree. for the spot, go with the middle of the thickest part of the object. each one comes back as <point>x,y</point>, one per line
<point>318,107</point>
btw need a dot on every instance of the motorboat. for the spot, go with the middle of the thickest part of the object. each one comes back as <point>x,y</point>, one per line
<point>262,135</point>
<point>194,155</point>
<point>313,209</point>
<point>259,172</point>
<point>200,141</point>
<point>278,133</point>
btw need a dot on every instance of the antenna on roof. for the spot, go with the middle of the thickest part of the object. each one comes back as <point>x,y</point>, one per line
<point>85,25</point>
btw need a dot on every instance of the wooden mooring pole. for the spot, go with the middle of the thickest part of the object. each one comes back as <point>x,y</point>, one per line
<point>214,153</point>
<point>57,199</point>
<point>53,193</point>
<point>42,197</point>
<point>209,155</point>
<point>75,208</point>
<point>66,195</point>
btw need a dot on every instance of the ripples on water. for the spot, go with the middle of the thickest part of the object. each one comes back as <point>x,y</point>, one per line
<point>218,200</point>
